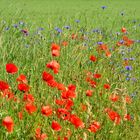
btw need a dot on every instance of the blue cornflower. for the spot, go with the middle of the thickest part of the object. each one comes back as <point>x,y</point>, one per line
<point>121,41</point>
<point>128,67</point>
<point>118,33</point>
<point>7,28</point>
<point>77,20</point>
<point>138,41</point>
<point>104,7</point>
<point>67,27</point>
<point>15,25</point>
<point>99,43</point>
<point>127,78</point>
<point>126,59</point>
<point>40,28</point>
<point>58,29</point>
<point>95,30</point>
<point>132,58</point>
<point>128,74</point>
<point>134,21</point>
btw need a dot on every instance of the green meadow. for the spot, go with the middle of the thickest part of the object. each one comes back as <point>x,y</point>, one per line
<point>81,65</point>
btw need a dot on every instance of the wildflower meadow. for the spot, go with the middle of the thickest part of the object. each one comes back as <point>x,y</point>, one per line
<point>69,70</point>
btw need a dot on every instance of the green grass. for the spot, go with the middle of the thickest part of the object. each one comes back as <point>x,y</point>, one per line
<point>31,54</point>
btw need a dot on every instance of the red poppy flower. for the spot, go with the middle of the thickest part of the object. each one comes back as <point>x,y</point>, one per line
<point>129,42</point>
<point>55,47</point>
<point>3,85</point>
<point>68,94</point>
<point>54,65</point>
<point>8,123</point>
<point>8,94</point>
<point>76,121</point>
<point>52,83</point>
<point>127,117</point>
<point>63,114</point>
<point>61,87</point>
<point>89,93</point>
<point>46,110</point>
<point>56,126</point>
<point>69,103</point>
<point>37,132</point>
<point>93,58</point>
<point>72,87</point>
<point>40,136</point>
<point>11,68</point>
<point>114,116</point>
<point>60,102</point>
<point>94,127</point>
<point>97,75</point>
<point>123,30</point>
<point>28,98</point>
<point>106,86</point>
<point>55,53</point>
<point>103,47</point>
<point>125,38</point>
<point>65,138</point>
<point>30,108</point>
<point>93,84</point>
<point>47,76</point>
<point>22,78</point>
<point>114,97</point>
<point>23,87</point>
<point>64,95</point>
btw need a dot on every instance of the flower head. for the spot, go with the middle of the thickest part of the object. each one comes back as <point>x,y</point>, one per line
<point>94,127</point>
<point>46,110</point>
<point>3,85</point>
<point>8,123</point>
<point>11,68</point>
<point>56,126</point>
<point>104,7</point>
<point>128,67</point>
<point>76,121</point>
